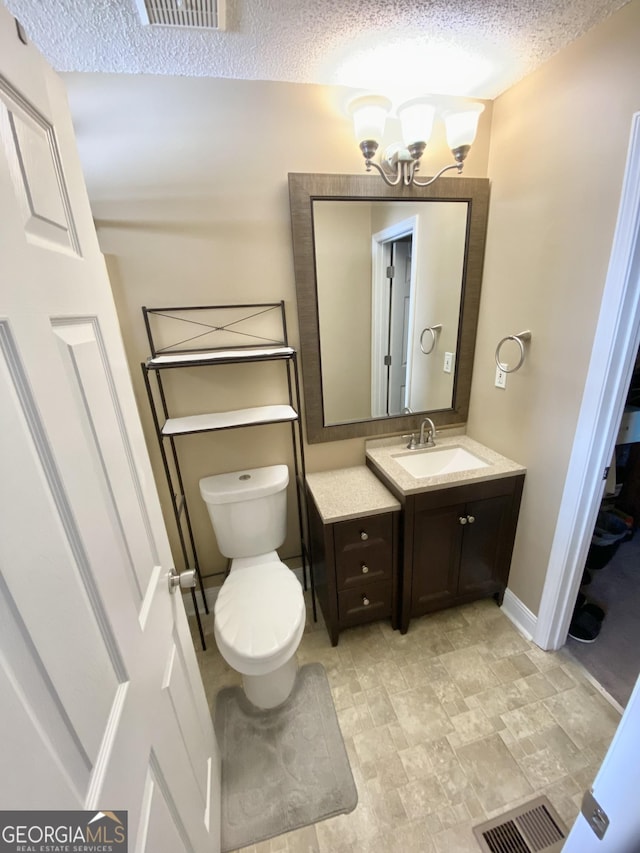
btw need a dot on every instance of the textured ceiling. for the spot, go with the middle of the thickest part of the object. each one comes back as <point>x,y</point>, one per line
<point>458,47</point>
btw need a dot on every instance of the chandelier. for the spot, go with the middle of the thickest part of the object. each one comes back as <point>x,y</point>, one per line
<point>401,160</point>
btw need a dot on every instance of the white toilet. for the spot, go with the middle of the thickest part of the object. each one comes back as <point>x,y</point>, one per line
<point>259,614</point>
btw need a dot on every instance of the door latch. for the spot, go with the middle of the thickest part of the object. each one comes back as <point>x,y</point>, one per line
<point>595,816</point>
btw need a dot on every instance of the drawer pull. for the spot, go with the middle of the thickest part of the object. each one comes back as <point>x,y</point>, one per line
<point>365,568</point>
<point>471,519</point>
<point>365,601</point>
<point>364,535</point>
<point>463,519</point>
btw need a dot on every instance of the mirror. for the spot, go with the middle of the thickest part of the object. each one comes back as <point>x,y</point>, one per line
<point>376,341</point>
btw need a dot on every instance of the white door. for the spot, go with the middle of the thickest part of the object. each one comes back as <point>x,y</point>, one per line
<point>102,703</point>
<point>400,287</point>
<point>616,790</point>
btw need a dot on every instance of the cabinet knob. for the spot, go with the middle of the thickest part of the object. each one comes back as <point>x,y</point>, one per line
<point>365,568</point>
<point>365,601</point>
<point>364,536</point>
<point>471,519</point>
<point>462,519</point>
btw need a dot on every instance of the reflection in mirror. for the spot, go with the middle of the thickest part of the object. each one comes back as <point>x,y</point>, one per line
<point>389,281</point>
<point>371,350</point>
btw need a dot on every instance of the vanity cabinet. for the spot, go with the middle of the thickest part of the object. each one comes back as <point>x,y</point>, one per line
<point>353,523</point>
<point>456,543</point>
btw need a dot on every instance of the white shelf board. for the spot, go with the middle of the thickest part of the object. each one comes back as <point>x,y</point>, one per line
<point>226,420</point>
<point>215,356</point>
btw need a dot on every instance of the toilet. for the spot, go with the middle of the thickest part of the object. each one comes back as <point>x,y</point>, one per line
<point>259,614</point>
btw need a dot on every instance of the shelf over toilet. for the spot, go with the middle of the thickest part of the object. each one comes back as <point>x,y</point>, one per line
<point>214,336</point>
<point>257,416</point>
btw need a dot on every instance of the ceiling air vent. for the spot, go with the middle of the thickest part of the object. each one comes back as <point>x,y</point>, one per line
<point>195,14</point>
<point>532,828</point>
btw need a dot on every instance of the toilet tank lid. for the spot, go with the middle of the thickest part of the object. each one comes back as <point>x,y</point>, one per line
<point>249,484</point>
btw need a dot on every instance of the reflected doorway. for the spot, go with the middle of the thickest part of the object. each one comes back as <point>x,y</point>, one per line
<point>393,286</point>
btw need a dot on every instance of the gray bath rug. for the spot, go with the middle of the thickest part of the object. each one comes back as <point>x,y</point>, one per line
<point>281,769</point>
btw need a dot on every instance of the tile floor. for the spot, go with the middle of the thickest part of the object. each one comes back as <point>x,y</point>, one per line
<point>451,724</point>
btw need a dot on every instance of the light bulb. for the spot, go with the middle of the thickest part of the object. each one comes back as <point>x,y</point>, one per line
<point>369,115</point>
<point>462,125</point>
<point>416,119</point>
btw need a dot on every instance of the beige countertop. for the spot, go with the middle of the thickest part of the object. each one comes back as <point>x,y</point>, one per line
<point>349,493</point>
<point>381,452</point>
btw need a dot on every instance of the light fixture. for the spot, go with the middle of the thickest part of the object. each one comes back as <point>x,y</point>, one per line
<point>401,160</point>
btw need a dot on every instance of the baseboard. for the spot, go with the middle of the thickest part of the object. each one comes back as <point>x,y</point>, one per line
<point>519,614</point>
<point>212,593</point>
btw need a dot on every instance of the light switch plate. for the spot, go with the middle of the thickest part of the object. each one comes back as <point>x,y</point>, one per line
<point>501,377</point>
<point>448,362</point>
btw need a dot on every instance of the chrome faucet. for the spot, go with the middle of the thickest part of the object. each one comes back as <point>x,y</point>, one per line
<point>418,443</point>
<point>429,441</point>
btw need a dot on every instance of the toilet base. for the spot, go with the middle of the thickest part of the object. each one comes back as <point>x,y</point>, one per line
<point>270,690</point>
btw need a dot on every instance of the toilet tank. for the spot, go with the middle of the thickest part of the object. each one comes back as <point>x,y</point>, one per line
<point>248,509</point>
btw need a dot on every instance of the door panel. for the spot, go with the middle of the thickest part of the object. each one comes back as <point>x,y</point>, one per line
<point>36,170</point>
<point>482,542</point>
<point>101,690</point>
<point>436,555</point>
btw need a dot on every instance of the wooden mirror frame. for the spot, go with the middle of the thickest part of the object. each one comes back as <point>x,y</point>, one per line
<point>304,189</point>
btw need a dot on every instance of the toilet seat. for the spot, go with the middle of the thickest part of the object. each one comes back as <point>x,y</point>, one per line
<point>259,617</point>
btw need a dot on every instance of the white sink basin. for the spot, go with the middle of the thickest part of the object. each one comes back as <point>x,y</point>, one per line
<point>434,461</point>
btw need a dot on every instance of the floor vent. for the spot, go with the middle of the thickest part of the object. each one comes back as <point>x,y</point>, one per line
<point>534,827</point>
<point>198,14</point>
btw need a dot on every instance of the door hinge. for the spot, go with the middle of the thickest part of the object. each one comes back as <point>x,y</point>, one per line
<point>595,816</point>
<point>391,271</point>
<point>606,472</point>
<point>387,361</point>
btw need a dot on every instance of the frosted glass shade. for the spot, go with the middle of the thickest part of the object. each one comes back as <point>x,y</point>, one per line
<point>462,125</point>
<point>369,115</point>
<point>416,119</point>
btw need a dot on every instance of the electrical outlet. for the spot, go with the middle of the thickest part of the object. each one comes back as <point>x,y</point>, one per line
<point>501,377</point>
<point>448,362</point>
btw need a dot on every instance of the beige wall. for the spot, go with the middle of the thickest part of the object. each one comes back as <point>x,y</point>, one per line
<point>558,148</point>
<point>439,269</point>
<point>343,270</point>
<point>188,185</point>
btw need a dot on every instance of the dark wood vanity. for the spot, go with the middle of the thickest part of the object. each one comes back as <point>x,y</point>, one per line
<point>456,544</point>
<point>355,560</point>
<point>379,552</point>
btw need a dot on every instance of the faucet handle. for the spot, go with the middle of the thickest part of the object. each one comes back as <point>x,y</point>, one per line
<point>412,441</point>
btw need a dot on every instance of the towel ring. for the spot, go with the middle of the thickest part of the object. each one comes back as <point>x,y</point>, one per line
<point>519,339</point>
<point>432,330</point>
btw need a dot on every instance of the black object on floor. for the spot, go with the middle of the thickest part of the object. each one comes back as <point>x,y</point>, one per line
<point>613,660</point>
<point>584,626</point>
<point>583,604</point>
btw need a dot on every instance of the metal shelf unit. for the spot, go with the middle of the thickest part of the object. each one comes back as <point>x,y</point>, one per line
<point>261,330</point>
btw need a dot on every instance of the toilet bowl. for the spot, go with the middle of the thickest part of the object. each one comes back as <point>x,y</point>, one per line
<point>259,614</point>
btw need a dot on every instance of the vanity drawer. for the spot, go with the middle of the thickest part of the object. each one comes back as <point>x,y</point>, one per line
<point>363,532</point>
<point>364,550</point>
<point>370,601</point>
<point>364,565</point>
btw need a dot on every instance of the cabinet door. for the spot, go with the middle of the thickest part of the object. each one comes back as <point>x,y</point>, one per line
<point>482,568</point>
<point>437,542</point>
